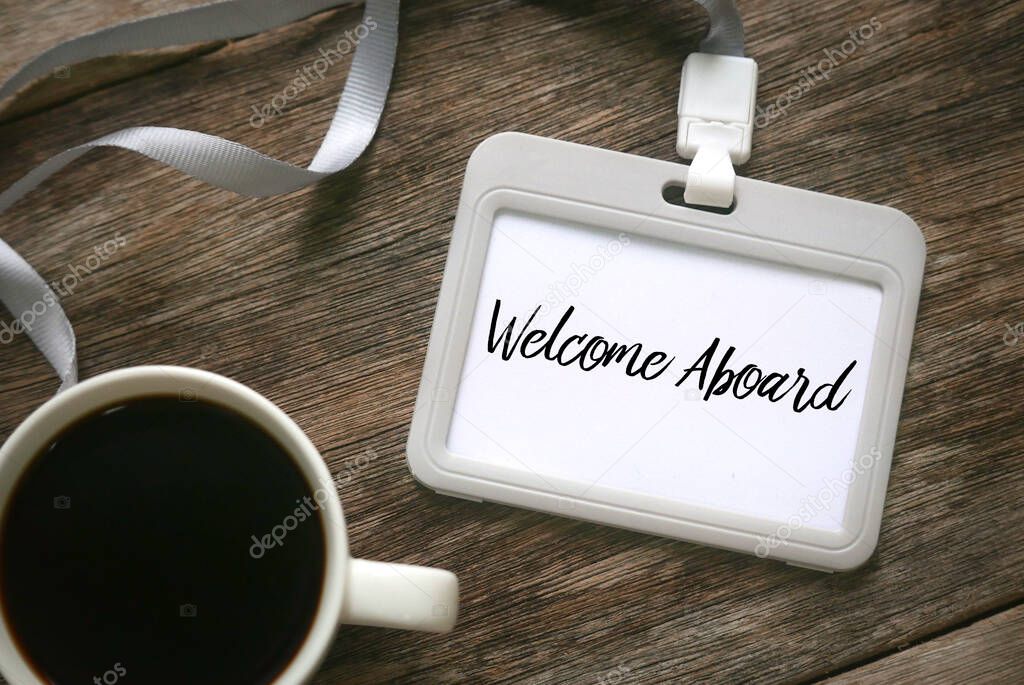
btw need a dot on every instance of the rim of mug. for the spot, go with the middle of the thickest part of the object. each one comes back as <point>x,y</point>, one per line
<point>189,384</point>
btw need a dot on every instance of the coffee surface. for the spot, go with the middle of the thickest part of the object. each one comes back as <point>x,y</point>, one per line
<point>127,550</point>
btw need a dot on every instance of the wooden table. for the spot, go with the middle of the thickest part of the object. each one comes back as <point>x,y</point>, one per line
<point>322,300</point>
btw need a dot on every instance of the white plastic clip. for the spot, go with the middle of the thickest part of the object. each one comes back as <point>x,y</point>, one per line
<point>716,123</point>
<point>711,179</point>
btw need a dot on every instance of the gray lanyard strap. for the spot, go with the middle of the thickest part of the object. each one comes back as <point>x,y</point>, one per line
<point>36,309</point>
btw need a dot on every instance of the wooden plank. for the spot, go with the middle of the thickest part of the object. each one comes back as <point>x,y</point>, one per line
<point>27,29</point>
<point>988,651</point>
<point>322,300</point>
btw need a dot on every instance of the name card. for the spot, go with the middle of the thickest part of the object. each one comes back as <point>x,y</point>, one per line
<point>730,379</point>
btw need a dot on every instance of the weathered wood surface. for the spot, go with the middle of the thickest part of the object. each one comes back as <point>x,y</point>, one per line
<point>987,651</point>
<point>322,301</point>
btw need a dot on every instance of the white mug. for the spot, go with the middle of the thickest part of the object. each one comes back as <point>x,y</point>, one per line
<point>355,591</point>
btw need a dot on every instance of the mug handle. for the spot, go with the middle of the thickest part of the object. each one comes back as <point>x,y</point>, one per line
<point>400,596</point>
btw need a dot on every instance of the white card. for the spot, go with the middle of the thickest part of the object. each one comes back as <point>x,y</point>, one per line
<point>604,426</point>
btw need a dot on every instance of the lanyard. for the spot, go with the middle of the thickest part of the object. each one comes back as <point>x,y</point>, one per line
<point>36,309</point>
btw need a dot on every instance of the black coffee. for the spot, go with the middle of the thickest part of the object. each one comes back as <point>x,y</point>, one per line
<point>128,554</point>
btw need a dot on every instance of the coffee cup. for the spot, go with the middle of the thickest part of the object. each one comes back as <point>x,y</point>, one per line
<point>352,591</point>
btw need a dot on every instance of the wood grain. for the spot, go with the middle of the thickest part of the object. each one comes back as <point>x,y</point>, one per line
<point>28,30</point>
<point>988,651</point>
<point>322,301</point>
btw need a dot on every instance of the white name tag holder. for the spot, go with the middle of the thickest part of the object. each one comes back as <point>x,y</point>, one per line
<point>728,378</point>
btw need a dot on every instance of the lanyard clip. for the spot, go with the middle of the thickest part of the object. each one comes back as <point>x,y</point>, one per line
<point>716,123</point>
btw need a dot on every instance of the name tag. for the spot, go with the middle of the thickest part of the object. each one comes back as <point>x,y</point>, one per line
<point>727,378</point>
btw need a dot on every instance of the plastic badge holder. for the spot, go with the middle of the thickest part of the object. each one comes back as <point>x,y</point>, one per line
<point>554,240</point>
